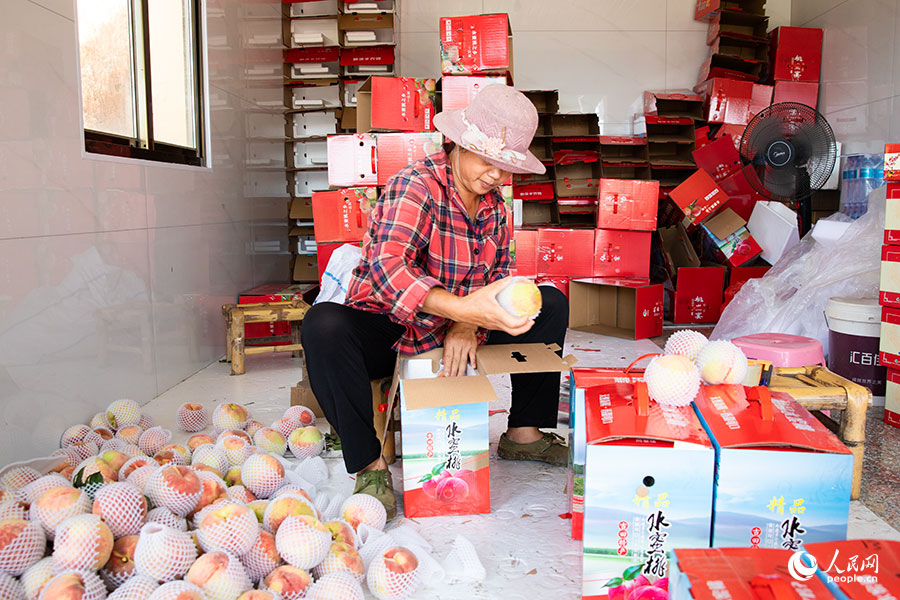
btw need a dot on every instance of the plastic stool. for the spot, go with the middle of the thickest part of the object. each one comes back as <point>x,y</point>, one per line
<point>782,350</point>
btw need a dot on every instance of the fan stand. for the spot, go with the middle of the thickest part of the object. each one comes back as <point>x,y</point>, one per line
<point>804,202</point>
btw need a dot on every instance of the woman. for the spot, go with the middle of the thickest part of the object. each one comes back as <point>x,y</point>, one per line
<point>433,261</point>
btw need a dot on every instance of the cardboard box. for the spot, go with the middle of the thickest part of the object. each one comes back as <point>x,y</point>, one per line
<point>373,29</point>
<point>313,63</point>
<point>560,283</point>
<point>796,53</point>
<point>525,252</point>
<point>457,91</point>
<point>313,124</point>
<point>363,61</point>
<point>580,381</point>
<point>862,569</point>
<point>395,103</point>
<point>575,127</point>
<point>627,204</point>
<point>343,215</point>
<point>476,44</point>
<point>544,213</point>
<point>357,7</point>
<point>624,150</point>
<point>889,343</point>
<point>670,154</point>
<point>782,478</point>
<point>445,425</point>
<point>301,33</point>
<point>804,92</point>
<point>648,486</point>
<point>305,267</point>
<point>892,162</point>
<point>534,191</point>
<point>742,198</point>
<point>302,395</point>
<point>301,239</point>
<point>310,154</point>
<point>398,150</point>
<point>726,237</point>
<point>889,294</point>
<point>719,159</point>
<point>352,160</point>
<point>620,307</point>
<point>565,252</point>
<point>697,295</point>
<point>707,9</point>
<point>619,253</point>
<point>739,25</point>
<point>304,183</point>
<point>546,102</point>
<point>697,198</point>
<point>774,226</point>
<point>733,101</point>
<point>577,178</point>
<point>892,397</point>
<point>672,104</point>
<point>301,209</point>
<point>269,292</point>
<point>351,89</point>
<point>891,215</point>
<point>314,97</point>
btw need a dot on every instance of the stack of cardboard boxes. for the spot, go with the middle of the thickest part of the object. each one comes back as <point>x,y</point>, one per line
<point>889,296</point>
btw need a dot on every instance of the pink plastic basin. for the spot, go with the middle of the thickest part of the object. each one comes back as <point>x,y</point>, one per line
<point>782,350</point>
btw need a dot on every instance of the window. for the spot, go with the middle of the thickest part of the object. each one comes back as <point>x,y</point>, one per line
<point>141,79</point>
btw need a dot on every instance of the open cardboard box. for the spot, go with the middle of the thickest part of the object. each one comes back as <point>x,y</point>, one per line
<point>672,104</point>
<point>726,239</point>
<point>363,61</point>
<point>375,29</point>
<point>476,44</point>
<point>343,215</point>
<point>445,423</point>
<point>629,150</point>
<point>620,307</point>
<point>697,198</point>
<point>545,101</point>
<point>707,9</point>
<point>698,290</point>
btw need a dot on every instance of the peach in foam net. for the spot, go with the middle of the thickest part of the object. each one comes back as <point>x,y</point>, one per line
<point>521,298</point>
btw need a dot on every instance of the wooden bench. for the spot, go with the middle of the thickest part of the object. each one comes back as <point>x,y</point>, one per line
<point>236,315</point>
<point>818,389</point>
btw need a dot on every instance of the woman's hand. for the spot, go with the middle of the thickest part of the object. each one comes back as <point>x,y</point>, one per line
<point>460,344</point>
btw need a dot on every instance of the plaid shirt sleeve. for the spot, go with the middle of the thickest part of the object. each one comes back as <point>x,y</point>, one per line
<point>397,280</point>
<point>502,266</point>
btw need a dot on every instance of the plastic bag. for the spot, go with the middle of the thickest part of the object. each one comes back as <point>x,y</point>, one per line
<point>792,295</point>
<point>336,277</point>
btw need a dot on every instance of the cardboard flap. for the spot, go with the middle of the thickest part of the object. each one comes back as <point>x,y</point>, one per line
<point>441,391</point>
<point>521,358</point>
<point>725,224</point>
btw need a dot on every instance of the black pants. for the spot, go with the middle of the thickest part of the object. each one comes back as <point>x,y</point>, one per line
<point>345,348</point>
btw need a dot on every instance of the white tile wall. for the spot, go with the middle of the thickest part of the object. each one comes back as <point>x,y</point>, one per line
<point>86,240</point>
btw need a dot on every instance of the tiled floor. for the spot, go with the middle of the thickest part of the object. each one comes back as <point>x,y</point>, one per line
<point>523,543</point>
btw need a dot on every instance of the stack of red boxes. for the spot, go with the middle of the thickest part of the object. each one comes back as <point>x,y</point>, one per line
<point>576,167</point>
<point>795,62</point>
<point>534,196</point>
<point>889,296</point>
<point>670,119</point>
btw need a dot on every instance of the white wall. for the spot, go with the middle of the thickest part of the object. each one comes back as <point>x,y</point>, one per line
<point>860,68</point>
<point>600,54</point>
<point>154,245</point>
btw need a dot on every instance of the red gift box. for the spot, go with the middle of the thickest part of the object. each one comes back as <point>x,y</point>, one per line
<point>698,295</point>
<point>268,292</point>
<point>889,350</point>
<point>697,198</point>
<point>525,259</point>
<point>719,159</point>
<point>892,215</point>
<point>733,101</point>
<point>567,252</point>
<point>534,191</point>
<point>352,160</point>
<point>892,396</point>
<point>804,92</point>
<point>398,150</point>
<point>627,204</point>
<point>726,238</point>
<point>741,195</point>
<point>367,55</point>
<point>892,162</point>
<point>673,104</point>
<point>457,91</point>
<point>621,253</point>
<point>476,44</point>
<point>395,103</point>
<point>560,283</point>
<point>795,53</point>
<point>889,294</point>
<point>342,215</point>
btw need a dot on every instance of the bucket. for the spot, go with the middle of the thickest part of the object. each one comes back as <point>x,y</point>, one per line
<point>854,328</point>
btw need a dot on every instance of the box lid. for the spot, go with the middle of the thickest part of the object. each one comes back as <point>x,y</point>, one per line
<point>738,422</point>
<point>725,223</point>
<point>521,358</point>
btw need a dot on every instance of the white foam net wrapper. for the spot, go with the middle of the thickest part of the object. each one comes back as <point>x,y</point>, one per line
<point>33,490</point>
<point>73,434</point>
<point>164,553</point>
<point>336,586</point>
<point>178,590</point>
<point>286,426</point>
<point>722,362</point>
<point>288,505</point>
<point>82,542</point>
<point>241,494</point>
<point>146,422</point>
<point>235,449</point>
<point>136,588</point>
<point>93,465</point>
<point>330,505</point>
<point>131,450</point>
<point>313,470</point>
<point>141,476</point>
<point>71,457</point>
<point>122,506</point>
<point>388,584</point>
<point>363,508</point>
<point>37,576</point>
<point>18,477</point>
<point>120,566</point>
<point>228,581</point>
<point>49,517</point>
<point>164,516</point>
<point>290,582</point>
<point>686,342</point>
<point>231,527</point>
<point>85,449</point>
<point>668,386</point>
<point>95,437</point>
<point>93,587</point>
<point>130,434</point>
<point>462,563</point>
<point>303,450</point>
<point>302,544</point>
<point>345,531</point>
<point>10,588</point>
<point>230,416</point>
<point>304,414</point>
<point>211,457</point>
<point>153,440</point>
<point>262,557</point>
<point>133,463</point>
<point>176,487</point>
<point>191,420</point>
<point>20,551</point>
<point>262,475</point>
<point>13,509</point>
<point>373,547</point>
<point>114,444</point>
<point>99,420</point>
<point>270,440</point>
<point>123,413</point>
<point>405,535</point>
<point>341,558</point>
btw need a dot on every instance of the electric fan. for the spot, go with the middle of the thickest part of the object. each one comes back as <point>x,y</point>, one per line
<point>787,152</point>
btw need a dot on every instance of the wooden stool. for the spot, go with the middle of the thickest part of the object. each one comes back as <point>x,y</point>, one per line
<point>818,389</point>
<point>236,315</point>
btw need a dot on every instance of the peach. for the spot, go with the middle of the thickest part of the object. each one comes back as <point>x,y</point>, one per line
<point>362,508</point>
<point>120,566</point>
<point>140,476</point>
<point>306,441</point>
<point>164,516</point>
<point>672,380</point>
<point>302,541</point>
<point>262,557</point>
<point>662,582</point>
<point>168,457</point>
<point>212,457</point>
<point>178,590</point>
<point>341,558</point>
<point>179,449</point>
<point>82,542</point>
<point>68,458</point>
<point>341,531</point>
<point>220,575</point>
<point>123,413</point>
<point>302,413</point>
<point>11,509</point>
<point>122,507</point>
<point>74,585</point>
<point>213,491</point>
<point>648,592</point>
<point>233,476</point>
<point>104,433</point>
<point>99,420</point>
<point>130,434</point>
<point>429,487</point>
<point>137,587</point>
<point>195,441</point>
<point>282,507</point>
<point>252,427</point>
<point>73,434</point>
<point>236,432</point>
<point>270,440</point>
<point>400,560</point>
<point>29,493</point>
<point>68,473</point>
<point>18,477</point>
<point>22,544</point>
<point>257,595</point>
<point>336,585</point>
<point>115,460</point>
<point>451,489</point>
<point>230,416</point>
<point>37,576</point>
<point>134,463</point>
<point>394,574</point>
<point>721,362</point>
<point>240,493</point>
<point>153,440</point>
<point>286,425</point>
<point>520,298</point>
<point>262,474</point>
<point>229,527</point>
<point>236,449</point>
<point>289,582</point>
<point>56,505</point>
<point>259,509</point>
<point>163,553</point>
<point>191,417</point>
<point>85,450</point>
<point>146,422</point>
<point>93,465</point>
<point>176,487</point>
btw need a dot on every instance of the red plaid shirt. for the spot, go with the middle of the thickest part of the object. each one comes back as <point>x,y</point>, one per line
<point>420,237</point>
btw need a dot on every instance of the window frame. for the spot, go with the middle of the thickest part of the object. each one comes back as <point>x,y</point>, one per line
<point>144,146</point>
